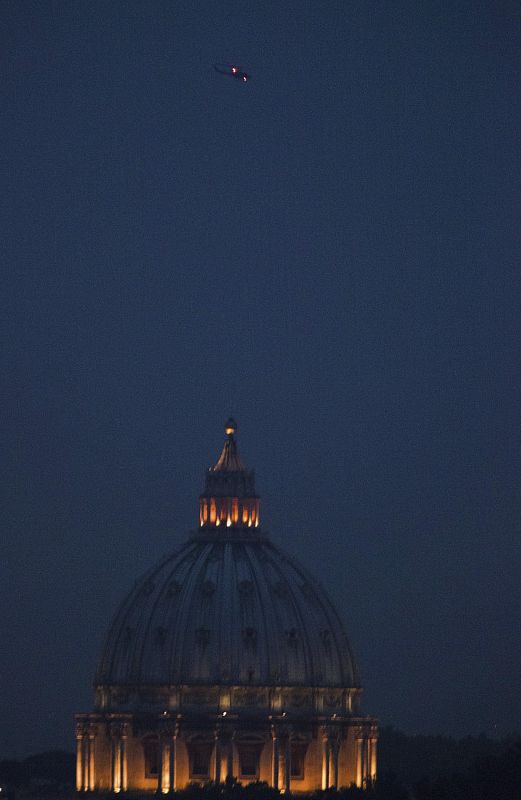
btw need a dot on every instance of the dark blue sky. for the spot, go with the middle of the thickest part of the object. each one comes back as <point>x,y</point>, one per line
<point>330,253</point>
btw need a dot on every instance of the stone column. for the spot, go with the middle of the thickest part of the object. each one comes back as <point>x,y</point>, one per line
<point>123,768</point>
<point>367,761</point>
<point>335,747</point>
<point>287,763</point>
<point>115,736</point>
<point>167,749</point>
<point>92,763</point>
<point>173,761</point>
<point>160,762</point>
<point>325,760</point>
<point>86,760</point>
<point>275,758</point>
<point>372,751</point>
<point>79,757</point>
<point>359,760</point>
<point>217,774</point>
<point>229,756</point>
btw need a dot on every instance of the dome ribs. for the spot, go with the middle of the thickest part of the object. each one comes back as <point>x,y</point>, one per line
<point>227,588</point>
<point>143,667</point>
<point>297,634</point>
<point>185,648</point>
<point>267,620</point>
<point>227,609</point>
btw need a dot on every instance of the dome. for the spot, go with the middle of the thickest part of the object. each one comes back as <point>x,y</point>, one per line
<point>227,661</point>
<point>233,610</point>
<point>229,607</point>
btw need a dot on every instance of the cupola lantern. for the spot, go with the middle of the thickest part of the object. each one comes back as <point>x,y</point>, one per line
<point>229,498</point>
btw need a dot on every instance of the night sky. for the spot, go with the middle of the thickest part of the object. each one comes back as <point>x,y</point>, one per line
<point>329,253</point>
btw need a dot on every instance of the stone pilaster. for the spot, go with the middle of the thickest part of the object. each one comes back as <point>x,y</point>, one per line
<point>92,733</point>
<point>275,757</point>
<point>80,755</point>
<point>218,754</point>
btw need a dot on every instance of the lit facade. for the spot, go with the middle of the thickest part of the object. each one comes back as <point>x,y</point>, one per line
<point>227,659</point>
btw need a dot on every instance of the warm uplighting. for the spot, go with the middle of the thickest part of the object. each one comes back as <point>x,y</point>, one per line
<point>229,511</point>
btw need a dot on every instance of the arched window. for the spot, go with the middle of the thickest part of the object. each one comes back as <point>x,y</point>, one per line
<point>151,752</point>
<point>298,758</point>
<point>199,755</point>
<point>249,758</point>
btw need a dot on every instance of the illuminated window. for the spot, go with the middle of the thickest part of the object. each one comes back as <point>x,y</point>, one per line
<point>235,510</point>
<point>151,752</point>
<point>213,512</point>
<point>245,513</point>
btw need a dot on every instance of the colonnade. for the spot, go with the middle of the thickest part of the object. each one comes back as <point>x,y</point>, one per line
<point>282,737</point>
<point>330,752</point>
<point>365,758</point>
<point>85,761</point>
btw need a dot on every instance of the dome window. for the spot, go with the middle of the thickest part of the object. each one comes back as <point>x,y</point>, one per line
<point>202,636</point>
<point>246,588</point>
<point>160,637</point>
<point>307,590</point>
<point>292,636</point>
<point>249,636</point>
<point>325,636</point>
<point>174,589</point>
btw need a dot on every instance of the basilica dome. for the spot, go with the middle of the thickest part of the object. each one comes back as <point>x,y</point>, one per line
<point>227,607</point>
<point>226,660</point>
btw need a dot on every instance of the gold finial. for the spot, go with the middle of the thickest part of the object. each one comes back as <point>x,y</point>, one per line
<point>230,427</point>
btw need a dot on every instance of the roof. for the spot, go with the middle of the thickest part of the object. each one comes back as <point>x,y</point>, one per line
<point>230,611</point>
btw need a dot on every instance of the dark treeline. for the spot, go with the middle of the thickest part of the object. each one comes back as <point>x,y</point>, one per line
<point>414,758</point>
<point>410,768</point>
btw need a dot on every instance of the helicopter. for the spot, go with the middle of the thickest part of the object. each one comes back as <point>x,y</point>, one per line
<point>233,71</point>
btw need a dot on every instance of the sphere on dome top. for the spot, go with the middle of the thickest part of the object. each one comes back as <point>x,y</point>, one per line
<point>231,427</point>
